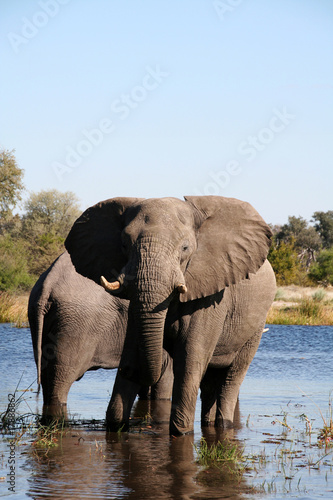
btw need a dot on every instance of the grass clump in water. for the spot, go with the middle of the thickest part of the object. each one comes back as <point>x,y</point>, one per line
<point>48,435</point>
<point>325,436</point>
<point>219,454</point>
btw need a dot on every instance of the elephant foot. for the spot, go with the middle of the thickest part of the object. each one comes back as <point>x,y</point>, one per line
<point>176,431</point>
<point>207,423</point>
<point>54,413</point>
<point>224,423</point>
<point>117,426</point>
<point>144,393</point>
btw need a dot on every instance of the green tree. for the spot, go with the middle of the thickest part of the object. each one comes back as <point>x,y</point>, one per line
<point>295,226</point>
<point>305,238</point>
<point>14,269</point>
<point>284,260</point>
<point>324,226</point>
<point>321,271</point>
<point>11,185</point>
<point>51,212</point>
<point>48,218</point>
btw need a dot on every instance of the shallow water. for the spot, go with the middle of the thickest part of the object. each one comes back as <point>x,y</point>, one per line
<point>291,375</point>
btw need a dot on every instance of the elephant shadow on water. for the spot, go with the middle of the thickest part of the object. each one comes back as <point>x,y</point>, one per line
<point>198,285</point>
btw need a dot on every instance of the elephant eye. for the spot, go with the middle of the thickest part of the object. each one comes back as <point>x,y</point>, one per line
<point>185,246</point>
<point>185,251</point>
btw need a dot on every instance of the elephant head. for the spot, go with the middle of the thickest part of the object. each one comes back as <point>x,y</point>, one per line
<point>154,251</point>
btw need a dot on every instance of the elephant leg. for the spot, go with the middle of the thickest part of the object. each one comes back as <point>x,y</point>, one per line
<point>230,380</point>
<point>120,406</point>
<point>144,392</point>
<point>188,372</point>
<point>209,390</point>
<point>192,353</point>
<point>56,383</point>
<point>55,405</point>
<point>184,398</point>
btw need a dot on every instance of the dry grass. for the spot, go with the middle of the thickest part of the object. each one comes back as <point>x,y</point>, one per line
<point>302,306</point>
<point>13,309</point>
<point>294,293</point>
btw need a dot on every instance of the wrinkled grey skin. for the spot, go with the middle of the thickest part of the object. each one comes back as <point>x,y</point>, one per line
<point>199,285</point>
<point>76,326</point>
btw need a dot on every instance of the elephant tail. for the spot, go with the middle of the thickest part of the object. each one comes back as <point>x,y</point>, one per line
<point>39,304</point>
<point>40,324</point>
<point>36,312</point>
<point>42,308</point>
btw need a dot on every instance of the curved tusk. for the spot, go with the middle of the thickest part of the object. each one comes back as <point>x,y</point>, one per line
<point>110,287</point>
<point>181,288</point>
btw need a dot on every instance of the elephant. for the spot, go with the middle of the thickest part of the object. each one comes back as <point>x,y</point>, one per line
<point>76,326</point>
<point>199,285</point>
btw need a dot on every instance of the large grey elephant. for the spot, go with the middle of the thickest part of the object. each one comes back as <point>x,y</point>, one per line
<point>199,285</point>
<point>76,326</point>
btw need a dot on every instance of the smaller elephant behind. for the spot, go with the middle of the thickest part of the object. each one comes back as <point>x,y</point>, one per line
<point>75,327</point>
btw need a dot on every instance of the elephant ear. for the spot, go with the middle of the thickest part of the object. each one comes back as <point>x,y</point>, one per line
<point>94,241</point>
<point>232,242</point>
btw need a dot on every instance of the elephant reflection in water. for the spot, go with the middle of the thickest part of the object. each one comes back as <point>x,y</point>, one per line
<point>146,465</point>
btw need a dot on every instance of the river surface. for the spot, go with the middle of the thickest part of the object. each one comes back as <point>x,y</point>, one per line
<point>283,402</point>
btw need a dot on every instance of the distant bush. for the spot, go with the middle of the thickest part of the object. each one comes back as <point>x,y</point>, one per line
<point>319,295</point>
<point>309,307</point>
<point>14,272</point>
<point>321,271</point>
<point>287,267</point>
<point>48,217</point>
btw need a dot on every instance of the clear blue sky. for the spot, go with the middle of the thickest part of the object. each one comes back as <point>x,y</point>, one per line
<point>190,97</point>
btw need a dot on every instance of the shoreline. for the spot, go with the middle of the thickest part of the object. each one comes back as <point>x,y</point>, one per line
<point>296,305</point>
<point>293,305</point>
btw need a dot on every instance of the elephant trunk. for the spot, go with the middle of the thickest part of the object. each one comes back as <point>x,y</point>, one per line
<point>151,277</point>
<point>150,329</point>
